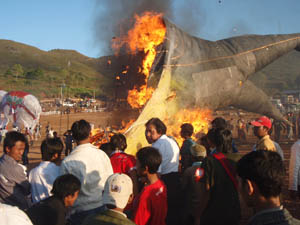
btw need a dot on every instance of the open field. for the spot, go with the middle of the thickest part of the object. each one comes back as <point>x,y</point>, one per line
<point>61,123</point>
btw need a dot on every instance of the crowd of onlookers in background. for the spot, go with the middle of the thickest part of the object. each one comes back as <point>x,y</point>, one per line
<point>280,130</point>
<point>203,181</point>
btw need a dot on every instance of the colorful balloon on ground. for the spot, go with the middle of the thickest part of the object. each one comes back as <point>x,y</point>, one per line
<point>21,108</point>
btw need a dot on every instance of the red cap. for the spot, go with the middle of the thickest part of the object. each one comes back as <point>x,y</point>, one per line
<point>262,121</point>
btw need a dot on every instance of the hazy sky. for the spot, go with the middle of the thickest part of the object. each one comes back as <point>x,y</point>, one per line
<point>71,24</point>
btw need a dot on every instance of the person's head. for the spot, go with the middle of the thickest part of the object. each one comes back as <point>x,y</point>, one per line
<point>118,142</point>
<point>155,128</point>
<point>118,191</point>
<point>148,161</point>
<point>187,130</point>
<point>261,126</point>
<point>261,174</point>
<point>51,149</point>
<point>81,130</point>
<point>223,140</point>
<point>210,137</point>
<point>198,152</point>
<point>66,188</point>
<point>14,144</point>
<point>219,123</point>
<point>108,148</point>
<point>55,134</point>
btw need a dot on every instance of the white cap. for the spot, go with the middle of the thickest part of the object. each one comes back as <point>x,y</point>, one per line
<point>117,190</point>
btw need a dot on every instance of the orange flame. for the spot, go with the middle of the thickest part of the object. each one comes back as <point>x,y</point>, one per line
<point>200,119</point>
<point>148,32</point>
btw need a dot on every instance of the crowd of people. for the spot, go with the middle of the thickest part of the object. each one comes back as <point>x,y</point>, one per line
<point>202,181</point>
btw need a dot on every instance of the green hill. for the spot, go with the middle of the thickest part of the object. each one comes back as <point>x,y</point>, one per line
<point>23,67</point>
<point>42,73</point>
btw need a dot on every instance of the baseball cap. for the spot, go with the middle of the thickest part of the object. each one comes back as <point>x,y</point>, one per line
<point>262,121</point>
<point>198,150</point>
<point>117,190</point>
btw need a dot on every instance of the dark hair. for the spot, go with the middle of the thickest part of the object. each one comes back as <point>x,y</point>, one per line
<point>108,148</point>
<point>80,130</point>
<point>223,139</point>
<point>265,169</point>
<point>187,129</point>
<point>118,141</point>
<point>50,147</point>
<point>65,185</point>
<point>219,122</point>
<point>211,135</point>
<point>150,157</point>
<point>158,124</point>
<point>12,138</point>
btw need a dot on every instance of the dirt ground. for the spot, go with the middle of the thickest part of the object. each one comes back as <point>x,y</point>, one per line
<point>61,123</point>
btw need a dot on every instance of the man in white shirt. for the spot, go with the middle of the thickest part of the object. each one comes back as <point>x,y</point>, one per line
<point>294,170</point>
<point>92,167</point>
<point>42,177</point>
<point>168,169</point>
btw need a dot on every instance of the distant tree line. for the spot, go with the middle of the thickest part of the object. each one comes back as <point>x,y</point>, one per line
<point>16,71</point>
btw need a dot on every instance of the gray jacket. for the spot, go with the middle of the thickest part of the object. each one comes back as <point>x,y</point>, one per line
<point>14,185</point>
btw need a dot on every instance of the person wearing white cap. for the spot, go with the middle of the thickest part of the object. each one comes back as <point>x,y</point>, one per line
<point>117,194</point>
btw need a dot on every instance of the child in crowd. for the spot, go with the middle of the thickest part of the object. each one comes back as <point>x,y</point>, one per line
<point>122,162</point>
<point>150,206</point>
<point>52,210</point>
<point>186,133</point>
<point>117,194</point>
<point>42,177</point>
<point>189,179</point>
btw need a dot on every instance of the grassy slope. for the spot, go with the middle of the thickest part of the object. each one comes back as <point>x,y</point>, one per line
<point>83,74</point>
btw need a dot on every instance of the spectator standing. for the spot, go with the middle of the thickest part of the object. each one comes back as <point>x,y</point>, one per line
<point>14,185</point>
<point>261,177</point>
<point>261,128</point>
<point>92,167</point>
<point>117,194</point>
<point>294,170</point>
<point>43,176</point>
<point>168,169</point>
<point>68,142</point>
<point>150,206</point>
<point>122,162</point>
<point>53,210</point>
<point>278,127</point>
<point>189,179</point>
<point>186,133</point>
<point>217,184</point>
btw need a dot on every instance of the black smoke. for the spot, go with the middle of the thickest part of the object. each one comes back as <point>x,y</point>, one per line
<point>115,17</point>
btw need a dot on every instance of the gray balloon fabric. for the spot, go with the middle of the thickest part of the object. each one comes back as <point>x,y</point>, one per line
<point>214,75</point>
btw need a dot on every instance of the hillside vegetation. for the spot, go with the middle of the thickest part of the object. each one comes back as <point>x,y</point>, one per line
<point>26,68</point>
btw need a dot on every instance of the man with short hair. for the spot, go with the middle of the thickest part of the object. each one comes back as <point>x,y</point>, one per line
<point>150,206</point>
<point>168,169</point>
<point>261,128</point>
<point>91,166</point>
<point>53,210</point>
<point>261,177</point>
<point>116,195</point>
<point>14,185</point>
<point>42,177</point>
